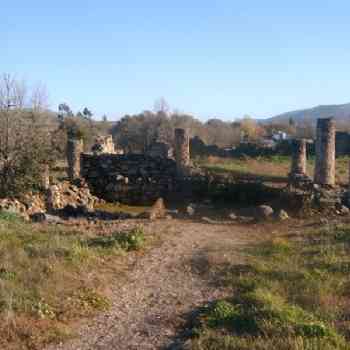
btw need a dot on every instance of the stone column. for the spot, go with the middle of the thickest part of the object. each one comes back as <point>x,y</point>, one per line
<point>298,157</point>
<point>182,151</point>
<point>325,152</point>
<point>74,148</point>
<point>45,177</point>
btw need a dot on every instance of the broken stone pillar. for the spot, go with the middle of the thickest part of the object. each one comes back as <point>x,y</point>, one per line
<point>325,152</point>
<point>298,157</point>
<point>74,148</point>
<point>45,177</point>
<point>182,151</point>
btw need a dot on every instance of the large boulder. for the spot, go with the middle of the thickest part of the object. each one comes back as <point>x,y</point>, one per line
<point>44,217</point>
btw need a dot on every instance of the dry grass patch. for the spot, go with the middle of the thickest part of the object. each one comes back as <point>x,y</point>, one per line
<point>50,276</point>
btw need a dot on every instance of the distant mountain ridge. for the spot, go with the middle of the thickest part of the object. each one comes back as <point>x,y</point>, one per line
<point>339,112</point>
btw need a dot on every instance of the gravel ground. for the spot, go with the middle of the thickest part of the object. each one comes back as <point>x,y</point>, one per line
<point>163,286</point>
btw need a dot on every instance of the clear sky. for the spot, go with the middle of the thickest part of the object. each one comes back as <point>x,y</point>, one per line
<point>221,58</point>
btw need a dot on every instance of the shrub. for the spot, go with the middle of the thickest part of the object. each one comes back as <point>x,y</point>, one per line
<point>128,241</point>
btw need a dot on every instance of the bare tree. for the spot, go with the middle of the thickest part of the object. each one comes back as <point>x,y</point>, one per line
<point>161,105</point>
<point>39,97</point>
<point>24,142</point>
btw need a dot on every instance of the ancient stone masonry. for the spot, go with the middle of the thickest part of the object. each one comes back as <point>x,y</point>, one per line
<point>182,152</point>
<point>104,144</point>
<point>75,195</point>
<point>130,178</point>
<point>299,157</point>
<point>298,178</point>
<point>74,148</point>
<point>325,152</point>
<point>45,177</point>
<point>160,149</point>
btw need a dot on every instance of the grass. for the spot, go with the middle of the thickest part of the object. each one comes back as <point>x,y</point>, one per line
<point>290,294</point>
<point>269,169</point>
<point>121,208</point>
<point>50,277</point>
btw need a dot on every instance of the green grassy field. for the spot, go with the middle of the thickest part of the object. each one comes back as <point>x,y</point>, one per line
<point>50,276</point>
<point>292,293</point>
<point>269,169</point>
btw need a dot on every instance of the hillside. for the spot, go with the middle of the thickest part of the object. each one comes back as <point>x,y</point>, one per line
<point>340,112</point>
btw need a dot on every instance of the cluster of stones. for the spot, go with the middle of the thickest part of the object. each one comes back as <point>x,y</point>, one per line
<point>75,196</point>
<point>63,198</point>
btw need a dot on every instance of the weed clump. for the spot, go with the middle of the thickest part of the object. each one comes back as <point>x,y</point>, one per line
<point>128,241</point>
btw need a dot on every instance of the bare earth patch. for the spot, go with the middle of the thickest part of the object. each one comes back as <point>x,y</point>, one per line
<point>150,307</point>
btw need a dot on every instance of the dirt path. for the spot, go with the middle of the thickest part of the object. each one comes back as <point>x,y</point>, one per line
<point>162,287</point>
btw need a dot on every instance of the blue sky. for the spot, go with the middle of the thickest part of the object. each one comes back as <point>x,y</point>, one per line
<point>209,58</point>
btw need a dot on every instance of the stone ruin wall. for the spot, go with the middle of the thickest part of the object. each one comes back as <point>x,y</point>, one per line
<point>142,178</point>
<point>131,179</point>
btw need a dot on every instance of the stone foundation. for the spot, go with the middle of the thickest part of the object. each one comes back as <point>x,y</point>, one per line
<point>133,179</point>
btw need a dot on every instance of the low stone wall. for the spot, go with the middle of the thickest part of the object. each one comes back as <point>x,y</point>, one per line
<point>131,178</point>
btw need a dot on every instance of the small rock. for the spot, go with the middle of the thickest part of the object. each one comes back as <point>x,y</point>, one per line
<point>53,219</point>
<point>38,217</point>
<point>282,215</point>
<point>233,216</point>
<point>344,210</point>
<point>263,212</point>
<point>190,210</point>
<point>324,221</point>
<point>157,211</point>
<point>173,211</point>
